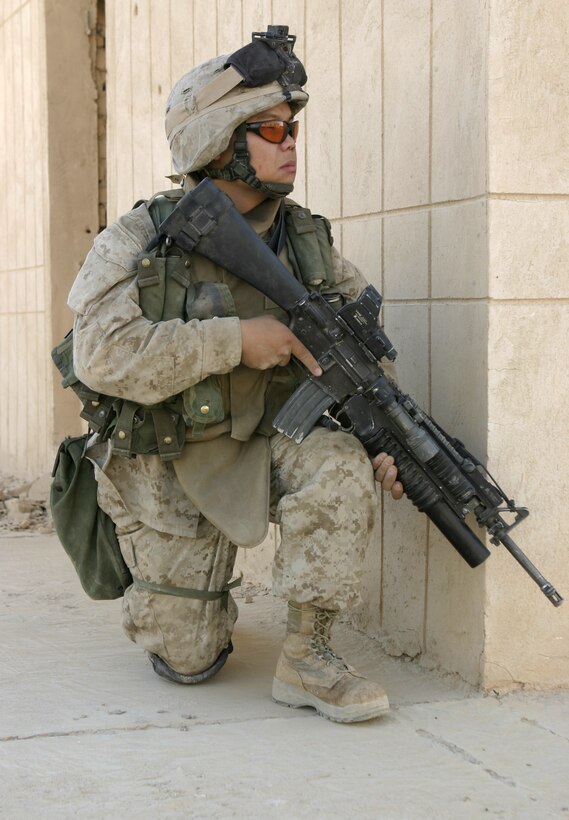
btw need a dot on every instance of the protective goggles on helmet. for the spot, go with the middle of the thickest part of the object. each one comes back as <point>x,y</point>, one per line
<point>275,131</point>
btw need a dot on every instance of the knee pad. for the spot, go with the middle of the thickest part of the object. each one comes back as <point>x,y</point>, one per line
<point>165,671</point>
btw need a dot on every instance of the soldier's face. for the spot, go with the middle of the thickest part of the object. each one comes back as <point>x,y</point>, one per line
<point>273,162</point>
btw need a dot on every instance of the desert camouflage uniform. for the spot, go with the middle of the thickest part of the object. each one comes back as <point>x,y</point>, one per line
<point>321,492</point>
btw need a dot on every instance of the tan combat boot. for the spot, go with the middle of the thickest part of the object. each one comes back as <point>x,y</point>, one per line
<point>310,674</point>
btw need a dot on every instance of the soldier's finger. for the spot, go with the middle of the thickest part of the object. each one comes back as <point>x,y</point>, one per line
<point>397,490</point>
<point>305,356</point>
<point>381,464</point>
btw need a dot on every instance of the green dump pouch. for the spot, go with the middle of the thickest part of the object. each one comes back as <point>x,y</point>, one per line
<point>87,534</point>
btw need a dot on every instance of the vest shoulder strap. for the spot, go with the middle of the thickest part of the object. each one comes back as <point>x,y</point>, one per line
<point>162,204</point>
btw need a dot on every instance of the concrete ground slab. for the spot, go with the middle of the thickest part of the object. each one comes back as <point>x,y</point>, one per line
<point>88,730</point>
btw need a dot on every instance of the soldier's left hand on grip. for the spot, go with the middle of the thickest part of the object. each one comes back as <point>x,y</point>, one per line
<point>385,472</point>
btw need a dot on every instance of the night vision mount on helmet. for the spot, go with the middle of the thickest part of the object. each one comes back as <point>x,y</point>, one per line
<point>269,57</point>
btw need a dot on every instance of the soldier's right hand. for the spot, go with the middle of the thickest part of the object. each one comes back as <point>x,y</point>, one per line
<point>266,342</point>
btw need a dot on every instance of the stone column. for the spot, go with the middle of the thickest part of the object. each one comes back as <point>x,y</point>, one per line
<point>527,640</point>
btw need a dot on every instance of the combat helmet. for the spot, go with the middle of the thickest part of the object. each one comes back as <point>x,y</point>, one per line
<point>213,101</point>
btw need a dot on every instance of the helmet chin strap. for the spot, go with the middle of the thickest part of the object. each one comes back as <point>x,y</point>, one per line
<point>240,167</point>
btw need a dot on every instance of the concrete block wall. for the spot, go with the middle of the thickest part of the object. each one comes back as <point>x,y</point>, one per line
<point>528,326</point>
<point>436,142</point>
<point>25,407</point>
<point>48,213</point>
<point>458,212</point>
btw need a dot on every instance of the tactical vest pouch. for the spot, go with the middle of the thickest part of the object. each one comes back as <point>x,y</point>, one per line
<point>149,430</point>
<point>151,280</point>
<point>163,276</point>
<point>163,283</point>
<point>309,242</point>
<point>97,408</point>
<point>325,242</point>
<point>86,532</point>
<point>203,404</point>
<point>206,300</point>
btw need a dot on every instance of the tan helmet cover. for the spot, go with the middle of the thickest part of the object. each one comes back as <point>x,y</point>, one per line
<point>201,116</point>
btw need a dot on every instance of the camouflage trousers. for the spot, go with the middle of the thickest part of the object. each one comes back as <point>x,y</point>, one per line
<point>323,499</point>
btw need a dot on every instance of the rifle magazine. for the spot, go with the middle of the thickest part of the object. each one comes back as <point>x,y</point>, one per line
<point>299,414</point>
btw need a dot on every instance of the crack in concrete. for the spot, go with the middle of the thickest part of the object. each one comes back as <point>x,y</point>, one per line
<point>178,727</point>
<point>458,750</point>
<point>537,725</point>
<point>83,732</point>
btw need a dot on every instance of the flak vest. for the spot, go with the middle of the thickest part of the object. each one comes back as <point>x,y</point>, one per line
<point>175,284</point>
<point>216,433</point>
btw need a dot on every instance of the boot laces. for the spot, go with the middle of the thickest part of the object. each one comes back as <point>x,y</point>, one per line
<point>323,619</point>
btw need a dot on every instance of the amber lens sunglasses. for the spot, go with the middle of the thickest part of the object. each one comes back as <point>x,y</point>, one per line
<point>274,130</point>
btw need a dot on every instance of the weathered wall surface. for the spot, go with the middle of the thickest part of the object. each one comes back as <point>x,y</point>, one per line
<point>72,187</point>
<point>464,227</point>
<point>25,406</point>
<point>48,212</point>
<point>436,142</point>
<point>528,417</point>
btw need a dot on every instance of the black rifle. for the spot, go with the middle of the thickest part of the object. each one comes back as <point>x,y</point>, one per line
<point>439,475</point>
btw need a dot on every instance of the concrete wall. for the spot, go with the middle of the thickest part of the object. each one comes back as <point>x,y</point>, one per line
<point>436,141</point>
<point>25,405</point>
<point>73,166</point>
<point>528,363</point>
<point>48,211</point>
<point>459,215</point>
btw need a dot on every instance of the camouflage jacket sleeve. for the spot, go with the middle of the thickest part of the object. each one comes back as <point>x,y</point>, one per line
<point>117,351</point>
<point>349,280</point>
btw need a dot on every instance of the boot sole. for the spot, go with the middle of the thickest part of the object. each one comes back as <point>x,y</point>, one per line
<point>286,694</point>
